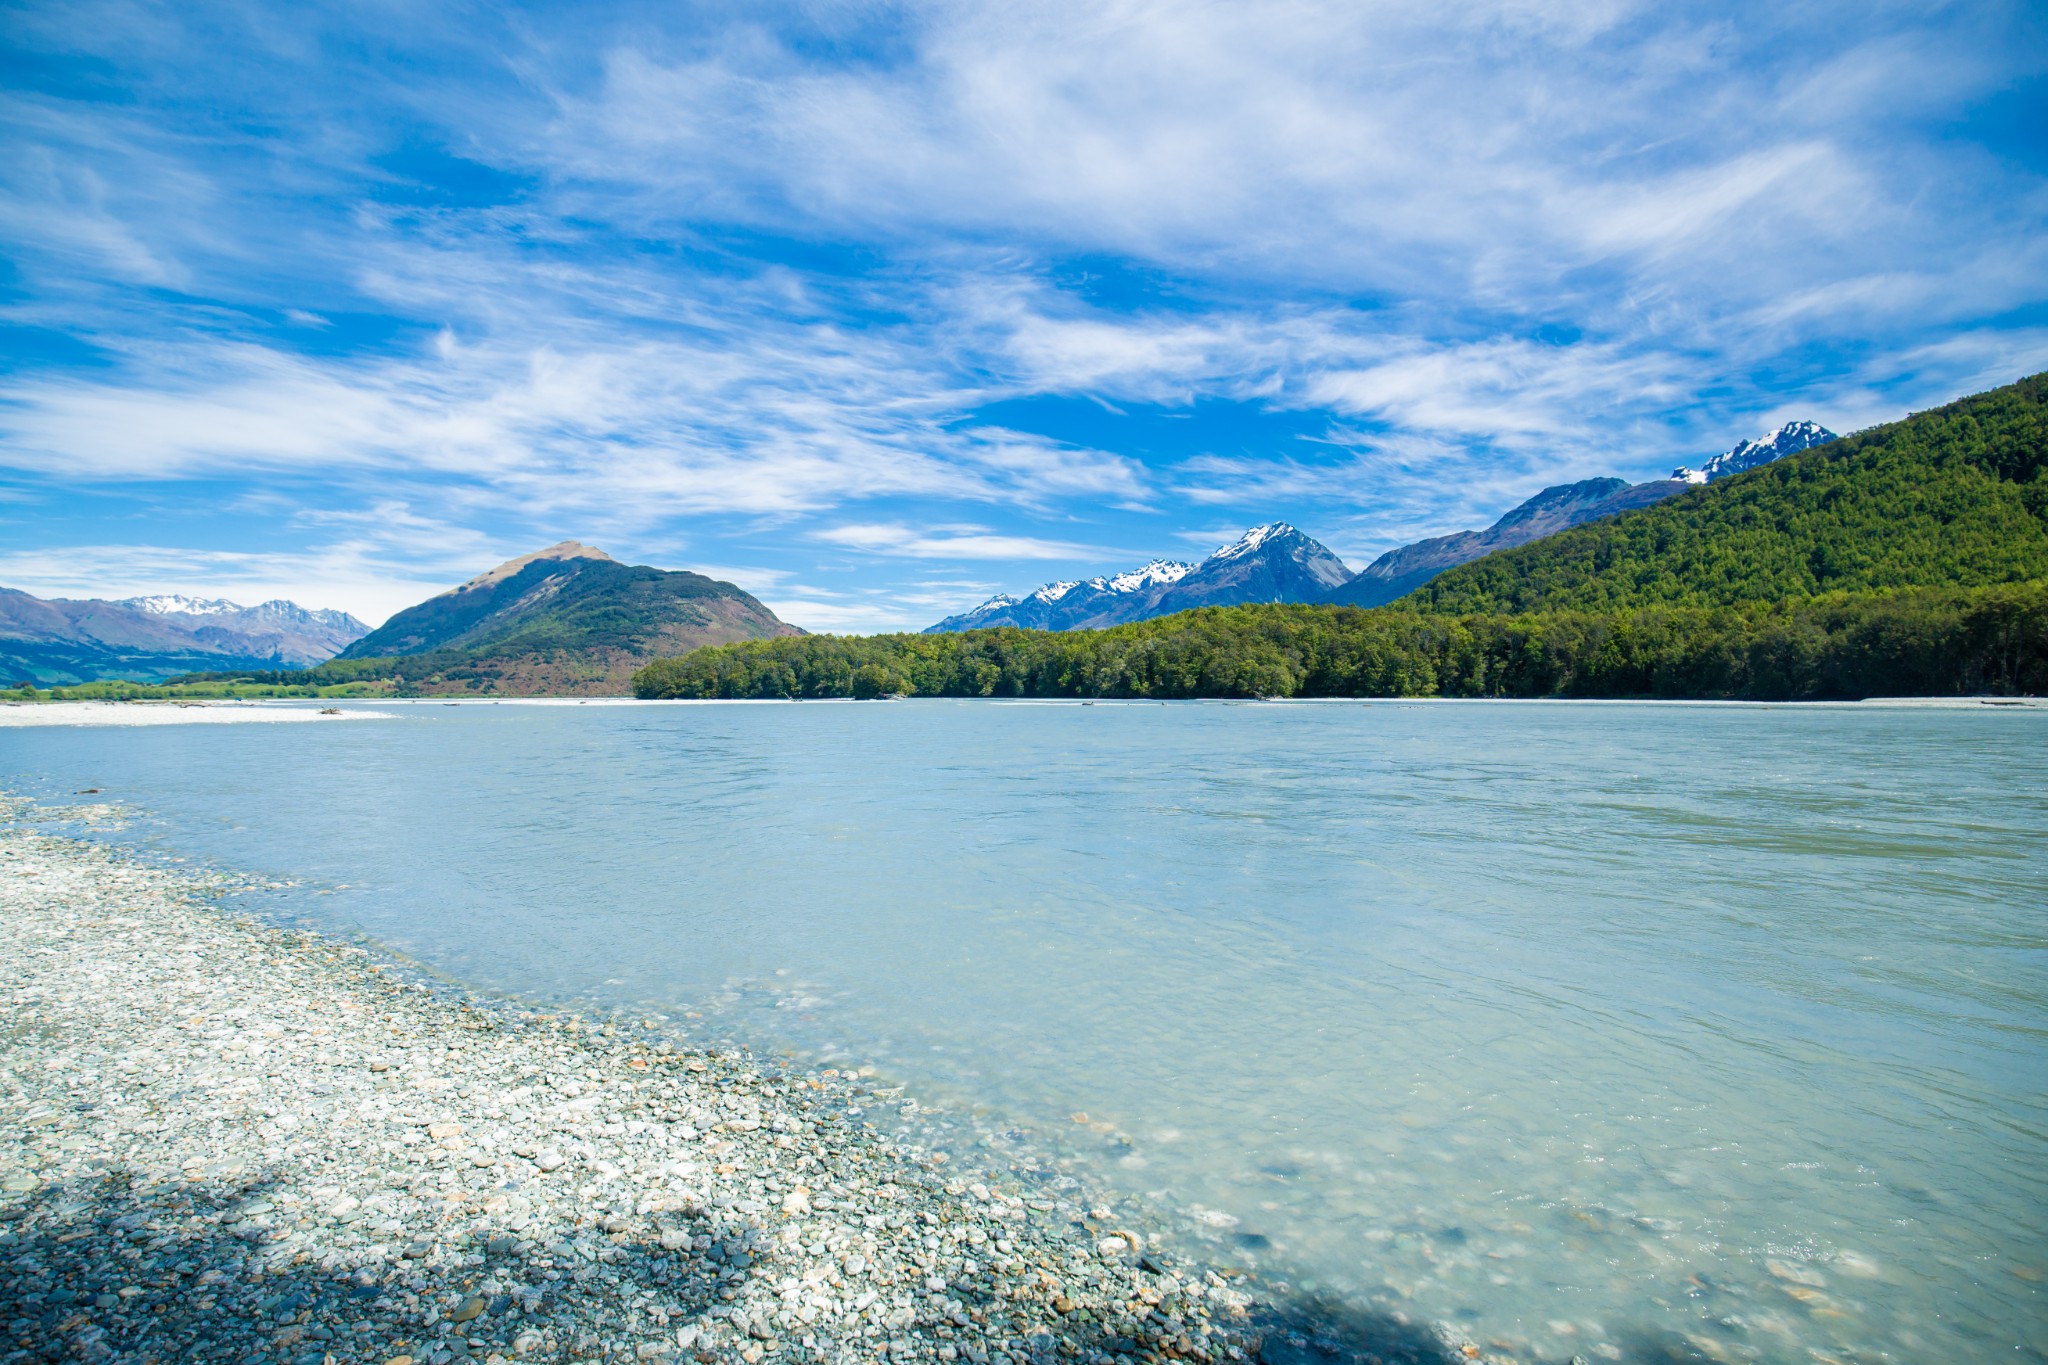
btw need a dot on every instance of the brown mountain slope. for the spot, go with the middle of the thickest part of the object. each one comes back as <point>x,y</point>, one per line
<point>564,621</point>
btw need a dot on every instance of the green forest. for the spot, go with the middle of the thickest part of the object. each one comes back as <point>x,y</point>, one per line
<point>1955,497</point>
<point>1923,642</point>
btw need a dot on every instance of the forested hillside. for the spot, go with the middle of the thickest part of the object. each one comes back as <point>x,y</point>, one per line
<point>1955,497</point>
<point>567,620</point>
<point>1916,643</point>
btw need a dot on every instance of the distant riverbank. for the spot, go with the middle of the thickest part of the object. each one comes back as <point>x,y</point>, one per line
<point>17,715</point>
<point>20,714</point>
<point>225,1141</point>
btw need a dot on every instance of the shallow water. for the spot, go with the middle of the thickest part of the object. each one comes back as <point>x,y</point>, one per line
<point>1640,1032</point>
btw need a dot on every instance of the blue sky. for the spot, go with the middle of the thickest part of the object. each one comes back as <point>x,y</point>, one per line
<point>876,309</point>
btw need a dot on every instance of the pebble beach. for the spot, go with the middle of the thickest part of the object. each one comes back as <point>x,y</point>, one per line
<point>225,1140</point>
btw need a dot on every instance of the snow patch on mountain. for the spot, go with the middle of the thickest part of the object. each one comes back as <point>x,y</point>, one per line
<point>1251,541</point>
<point>1157,574</point>
<point>1789,439</point>
<point>1270,563</point>
<point>176,604</point>
<point>277,613</point>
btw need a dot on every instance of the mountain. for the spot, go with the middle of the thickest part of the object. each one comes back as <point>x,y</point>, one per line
<point>486,608</point>
<point>1397,573</point>
<point>1274,563</point>
<point>1956,497</point>
<point>148,639</point>
<point>1072,603</point>
<point>565,620</point>
<point>175,604</point>
<point>1789,439</point>
<point>291,633</point>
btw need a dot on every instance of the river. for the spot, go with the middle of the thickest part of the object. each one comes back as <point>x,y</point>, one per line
<point>1640,1032</point>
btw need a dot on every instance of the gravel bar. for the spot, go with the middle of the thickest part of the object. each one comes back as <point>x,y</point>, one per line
<point>224,1140</point>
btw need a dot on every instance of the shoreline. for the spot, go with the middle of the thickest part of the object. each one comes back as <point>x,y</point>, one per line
<point>221,1139</point>
<point>26,714</point>
<point>155,713</point>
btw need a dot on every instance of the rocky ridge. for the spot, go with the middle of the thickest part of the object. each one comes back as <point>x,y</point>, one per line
<point>281,1148</point>
<point>147,639</point>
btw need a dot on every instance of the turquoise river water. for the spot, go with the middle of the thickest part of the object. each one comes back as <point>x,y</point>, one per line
<point>1636,1032</point>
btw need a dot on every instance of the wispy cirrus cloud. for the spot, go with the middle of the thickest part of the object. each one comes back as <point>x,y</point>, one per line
<point>668,425</point>
<point>901,541</point>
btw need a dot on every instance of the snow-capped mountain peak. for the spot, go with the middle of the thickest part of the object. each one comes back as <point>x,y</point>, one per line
<point>276,614</point>
<point>1053,592</point>
<point>1271,563</point>
<point>1252,540</point>
<point>1156,574</point>
<point>1789,439</point>
<point>168,604</point>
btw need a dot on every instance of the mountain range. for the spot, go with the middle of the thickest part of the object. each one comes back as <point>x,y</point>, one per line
<point>147,639</point>
<point>1273,563</point>
<point>1399,572</point>
<point>1277,563</point>
<point>570,619</point>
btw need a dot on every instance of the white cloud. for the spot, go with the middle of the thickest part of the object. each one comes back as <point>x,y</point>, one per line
<point>1504,389</point>
<point>657,428</point>
<point>868,615</point>
<point>902,541</point>
<point>1433,151</point>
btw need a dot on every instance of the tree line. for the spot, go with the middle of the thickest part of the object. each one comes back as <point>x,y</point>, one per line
<point>1916,642</point>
